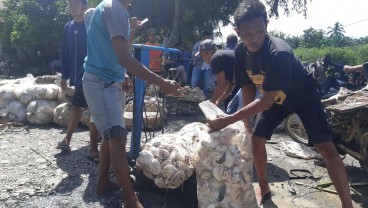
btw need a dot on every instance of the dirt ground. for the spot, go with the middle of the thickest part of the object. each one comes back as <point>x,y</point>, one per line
<point>35,174</point>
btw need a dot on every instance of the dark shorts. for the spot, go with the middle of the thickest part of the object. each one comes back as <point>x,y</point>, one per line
<point>312,114</point>
<point>78,97</point>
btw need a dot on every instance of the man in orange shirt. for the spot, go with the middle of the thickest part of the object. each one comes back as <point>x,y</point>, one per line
<point>155,56</point>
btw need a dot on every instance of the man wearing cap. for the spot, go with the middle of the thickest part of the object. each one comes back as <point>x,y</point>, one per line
<point>200,69</point>
<point>222,63</point>
<point>155,56</point>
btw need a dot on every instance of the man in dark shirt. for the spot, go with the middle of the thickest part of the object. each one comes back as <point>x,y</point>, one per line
<point>222,63</point>
<point>358,68</point>
<point>269,64</point>
<point>74,51</point>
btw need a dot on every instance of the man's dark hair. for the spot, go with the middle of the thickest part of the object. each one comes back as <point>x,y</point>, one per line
<point>232,38</point>
<point>249,10</point>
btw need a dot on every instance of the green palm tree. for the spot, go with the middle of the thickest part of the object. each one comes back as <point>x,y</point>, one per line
<point>336,32</point>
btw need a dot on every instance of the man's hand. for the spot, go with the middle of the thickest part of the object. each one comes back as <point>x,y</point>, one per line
<point>217,124</point>
<point>134,23</point>
<point>170,87</point>
<point>63,84</point>
<point>347,68</point>
<point>127,85</point>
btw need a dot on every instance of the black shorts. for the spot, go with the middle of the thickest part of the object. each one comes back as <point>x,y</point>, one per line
<point>312,114</point>
<point>78,97</point>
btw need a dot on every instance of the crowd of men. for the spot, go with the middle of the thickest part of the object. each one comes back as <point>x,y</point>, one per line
<point>258,64</point>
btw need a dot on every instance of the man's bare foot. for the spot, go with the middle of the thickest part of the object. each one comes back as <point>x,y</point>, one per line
<point>103,187</point>
<point>263,195</point>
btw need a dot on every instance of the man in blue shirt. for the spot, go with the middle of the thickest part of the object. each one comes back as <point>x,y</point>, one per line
<point>74,51</point>
<point>107,62</point>
<point>201,69</point>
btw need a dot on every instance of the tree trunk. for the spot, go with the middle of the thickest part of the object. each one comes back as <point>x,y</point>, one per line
<point>174,39</point>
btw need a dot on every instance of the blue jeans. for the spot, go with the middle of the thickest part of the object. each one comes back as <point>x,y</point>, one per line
<point>197,75</point>
<point>237,102</point>
<point>106,104</point>
<point>188,72</point>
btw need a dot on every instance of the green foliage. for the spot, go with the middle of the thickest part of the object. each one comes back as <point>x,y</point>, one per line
<point>345,55</point>
<point>361,53</point>
<point>278,34</point>
<point>37,25</point>
<point>93,3</point>
<point>194,16</point>
<point>313,38</point>
<point>336,33</point>
<point>33,25</point>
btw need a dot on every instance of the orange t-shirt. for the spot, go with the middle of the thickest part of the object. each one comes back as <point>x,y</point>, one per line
<point>155,57</point>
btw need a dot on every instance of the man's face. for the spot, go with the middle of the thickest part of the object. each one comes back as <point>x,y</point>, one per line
<point>206,56</point>
<point>252,33</point>
<point>75,8</point>
<point>152,37</point>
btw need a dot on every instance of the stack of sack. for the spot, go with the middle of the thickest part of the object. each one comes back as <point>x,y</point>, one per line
<point>153,113</point>
<point>25,100</point>
<point>41,101</point>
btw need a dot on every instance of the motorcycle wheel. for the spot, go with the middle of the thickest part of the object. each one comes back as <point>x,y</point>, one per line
<point>364,151</point>
<point>364,166</point>
<point>295,129</point>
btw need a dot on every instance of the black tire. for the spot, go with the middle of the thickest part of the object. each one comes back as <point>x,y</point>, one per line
<point>364,166</point>
<point>364,151</point>
<point>295,129</point>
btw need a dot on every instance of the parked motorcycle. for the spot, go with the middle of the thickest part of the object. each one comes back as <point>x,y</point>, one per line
<point>332,77</point>
<point>348,118</point>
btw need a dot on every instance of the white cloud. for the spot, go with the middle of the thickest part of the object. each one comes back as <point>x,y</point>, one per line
<point>324,13</point>
<point>320,15</point>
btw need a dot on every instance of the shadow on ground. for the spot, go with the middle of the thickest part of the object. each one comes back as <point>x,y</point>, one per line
<point>78,169</point>
<point>151,196</point>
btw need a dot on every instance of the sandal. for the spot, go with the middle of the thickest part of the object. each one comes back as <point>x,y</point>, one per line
<point>63,145</point>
